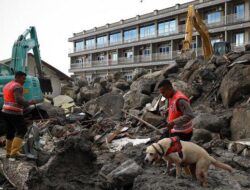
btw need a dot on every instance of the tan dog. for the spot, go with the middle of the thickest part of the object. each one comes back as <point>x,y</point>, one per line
<point>189,154</point>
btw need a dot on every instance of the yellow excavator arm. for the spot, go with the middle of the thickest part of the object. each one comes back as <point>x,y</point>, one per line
<point>194,20</point>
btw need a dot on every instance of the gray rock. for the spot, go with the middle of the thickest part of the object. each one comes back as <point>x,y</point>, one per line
<point>122,85</point>
<point>125,174</point>
<point>235,84</point>
<point>220,60</point>
<point>201,136</point>
<point>144,86</point>
<point>135,100</point>
<point>172,68</point>
<point>210,122</point>
<point>110,103</point>
<point>138,72</point>
<point>240,126</point>
<point>152,118</point>
<point>82,82</point>
<point>88,93</point>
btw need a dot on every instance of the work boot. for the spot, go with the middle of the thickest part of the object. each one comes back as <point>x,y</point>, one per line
<point>8,147</point>
<point>15,148</point>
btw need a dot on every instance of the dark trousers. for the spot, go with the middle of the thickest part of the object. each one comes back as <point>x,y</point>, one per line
<point>183,136</point>
<point>16,126</point>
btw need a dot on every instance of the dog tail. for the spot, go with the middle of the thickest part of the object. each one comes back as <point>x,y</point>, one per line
<point>221,165</point>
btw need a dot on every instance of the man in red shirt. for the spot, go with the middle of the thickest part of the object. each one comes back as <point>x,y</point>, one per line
<point>180,115</point>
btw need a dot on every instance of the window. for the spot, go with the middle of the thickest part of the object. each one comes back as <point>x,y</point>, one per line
<point>114,56</point>
<point>146,52</point>
<point>239,39</point>
<point>147,31</point>
<point>115,38</point>
<point>167,28</point>
<point>90,43</point>
<point>130,35</point>
<point>193,45</point>
<point>79,46</point>
<point>129,54</point>
<point>101,57</point>
<point>102,41</point>
<point>214,17</point>
<point>164,50</point>
<point>239,11</point>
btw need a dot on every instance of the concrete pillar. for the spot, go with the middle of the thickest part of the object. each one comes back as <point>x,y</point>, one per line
<point>247,12</point>
<point>133,50</point>
<point>156,29</point>
<point>90,57</point>
<point>122,36</point>
<point>225,19</point>
<point>117,61</point>
<point>107,59</point>
<point>138,32</point>
<point>226,36</point>
<point>196,42</point>
<point>171,50</point>
<point>151,52</point>
<point>246,37</point>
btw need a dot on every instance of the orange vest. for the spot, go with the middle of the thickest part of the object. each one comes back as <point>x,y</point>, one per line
<point>9,99</point>
<point>174,113</point>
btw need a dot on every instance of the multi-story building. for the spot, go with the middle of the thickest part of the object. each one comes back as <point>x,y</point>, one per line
<point>153,40</point>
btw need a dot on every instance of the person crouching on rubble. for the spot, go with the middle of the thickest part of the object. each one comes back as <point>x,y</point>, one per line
<point>12,110</point>
<point>180,115</point>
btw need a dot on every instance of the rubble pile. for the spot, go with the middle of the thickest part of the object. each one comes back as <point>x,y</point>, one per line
<point>98,138</point>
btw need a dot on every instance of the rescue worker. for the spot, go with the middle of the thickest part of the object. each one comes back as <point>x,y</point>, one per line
<point>180,115</point>
<point>12,111</point>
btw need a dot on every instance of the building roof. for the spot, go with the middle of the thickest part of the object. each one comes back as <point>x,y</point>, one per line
<point>62,75</point>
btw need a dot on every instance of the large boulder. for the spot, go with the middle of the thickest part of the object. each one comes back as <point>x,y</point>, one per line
<point>110,103</point>
<point>82,82</point>
<point>235,84</point>
<point>122,85</point>
<point>210,122</point>
<point>172,68</point>
<point>136,100</point>
<point>88,93</point>
<point>240,126</point>
<point>201,136</point>
<point>124,175</point>
<point>144,86</point>
<point>152,118</point>
<point>138,72</point>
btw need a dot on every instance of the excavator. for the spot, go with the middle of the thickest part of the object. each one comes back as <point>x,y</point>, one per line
<point>34,87</point>
<point>195,20</point>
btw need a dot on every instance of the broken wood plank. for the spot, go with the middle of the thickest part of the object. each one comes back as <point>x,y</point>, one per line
<point>146,123</point>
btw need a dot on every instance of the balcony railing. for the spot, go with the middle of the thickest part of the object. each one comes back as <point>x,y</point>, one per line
<point>238,47</point>
<point>150,58</point>
<point>230,19</point>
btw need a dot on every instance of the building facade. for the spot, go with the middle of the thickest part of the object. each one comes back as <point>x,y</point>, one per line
<point>153,40</point>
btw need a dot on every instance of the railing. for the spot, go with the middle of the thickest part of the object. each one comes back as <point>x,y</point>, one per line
<point>150,58</point>
<point>230,19</point>
<point>239,47</point>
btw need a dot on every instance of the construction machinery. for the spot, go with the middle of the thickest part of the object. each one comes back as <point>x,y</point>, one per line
<point>34,86</point>
<point>195,20</point>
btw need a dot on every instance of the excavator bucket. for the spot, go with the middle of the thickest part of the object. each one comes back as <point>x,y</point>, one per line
<point>45,85</point>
